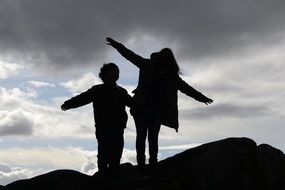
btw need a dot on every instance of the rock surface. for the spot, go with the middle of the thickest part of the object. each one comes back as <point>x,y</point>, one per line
<point>233,163</point>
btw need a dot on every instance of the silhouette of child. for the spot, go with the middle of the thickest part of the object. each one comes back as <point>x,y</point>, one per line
<point>109,101</point>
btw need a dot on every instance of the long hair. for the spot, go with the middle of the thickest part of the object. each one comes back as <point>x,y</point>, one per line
<point>165,60</point>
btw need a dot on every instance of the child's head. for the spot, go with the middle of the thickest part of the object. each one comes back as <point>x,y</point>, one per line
<point>109,73</point>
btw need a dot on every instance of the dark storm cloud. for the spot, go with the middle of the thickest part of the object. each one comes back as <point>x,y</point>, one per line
<point>62,33</point>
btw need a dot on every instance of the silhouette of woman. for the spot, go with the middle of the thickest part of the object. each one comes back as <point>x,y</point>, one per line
<point>155,97</point>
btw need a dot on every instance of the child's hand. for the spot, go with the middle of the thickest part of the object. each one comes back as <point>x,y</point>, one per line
<point>64,107</point>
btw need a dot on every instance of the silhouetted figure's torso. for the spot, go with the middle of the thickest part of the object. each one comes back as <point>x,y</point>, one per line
<point>157,91</point>
<point>109,102</point>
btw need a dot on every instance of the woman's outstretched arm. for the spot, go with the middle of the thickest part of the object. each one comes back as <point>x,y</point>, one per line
<point>190,91</point>
<point>126,53</point>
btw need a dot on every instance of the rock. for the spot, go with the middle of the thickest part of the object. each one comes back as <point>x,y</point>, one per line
<point>226,164</point>
<point>233,163</point>
<point>272,166</point>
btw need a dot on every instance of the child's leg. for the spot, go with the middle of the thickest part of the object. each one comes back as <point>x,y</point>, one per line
<point>116,153</point>
<point>102,158</point>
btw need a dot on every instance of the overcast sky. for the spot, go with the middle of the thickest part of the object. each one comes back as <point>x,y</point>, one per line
<point>50,50</point>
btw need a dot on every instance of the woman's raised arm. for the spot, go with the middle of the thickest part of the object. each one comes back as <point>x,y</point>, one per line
<point>126,53</point>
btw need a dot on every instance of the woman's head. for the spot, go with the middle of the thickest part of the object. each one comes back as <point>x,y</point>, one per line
<point>109,73</point>
<point>165,60</point>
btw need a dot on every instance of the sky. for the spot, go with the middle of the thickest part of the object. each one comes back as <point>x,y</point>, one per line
<point>230,50</point>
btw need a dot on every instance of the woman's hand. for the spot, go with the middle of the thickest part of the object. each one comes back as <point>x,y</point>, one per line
<point>112,42</point>
<point>208,101</point>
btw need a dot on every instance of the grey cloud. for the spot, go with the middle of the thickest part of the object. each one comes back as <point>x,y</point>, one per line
<point>226,111</point>
<point>90,163</point>
<point>59,34</point>
<point>10,174</point>
<point>5,168</point>
<point>16,123</point>
<point>89,166</point>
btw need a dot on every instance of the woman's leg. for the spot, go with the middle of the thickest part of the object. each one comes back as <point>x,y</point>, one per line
<point>141,129</point>
<point>153,133</point>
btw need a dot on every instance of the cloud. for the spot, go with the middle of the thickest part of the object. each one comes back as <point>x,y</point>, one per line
<point>16,174</point>
<point>244,87</point>
<point>43,156</point>
<point>21,114</point>
<point>226,111</point>
<point>90,165</point>
<point>129,156</point>
<point>232,51</point>
<point>23,163</point>
<point>5,168</point>
<point>180,147</point>
<point>82,83</point>
<point>74,34</point>
<point>39,84</point>
<point>34,161</point>
<point>7,69</point>
<point>27,162</point>
<point>16,93</point>
<point>10,174</point>
<point>15,122</point>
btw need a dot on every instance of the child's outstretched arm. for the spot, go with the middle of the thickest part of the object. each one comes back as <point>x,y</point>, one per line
<point>79,100</point>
